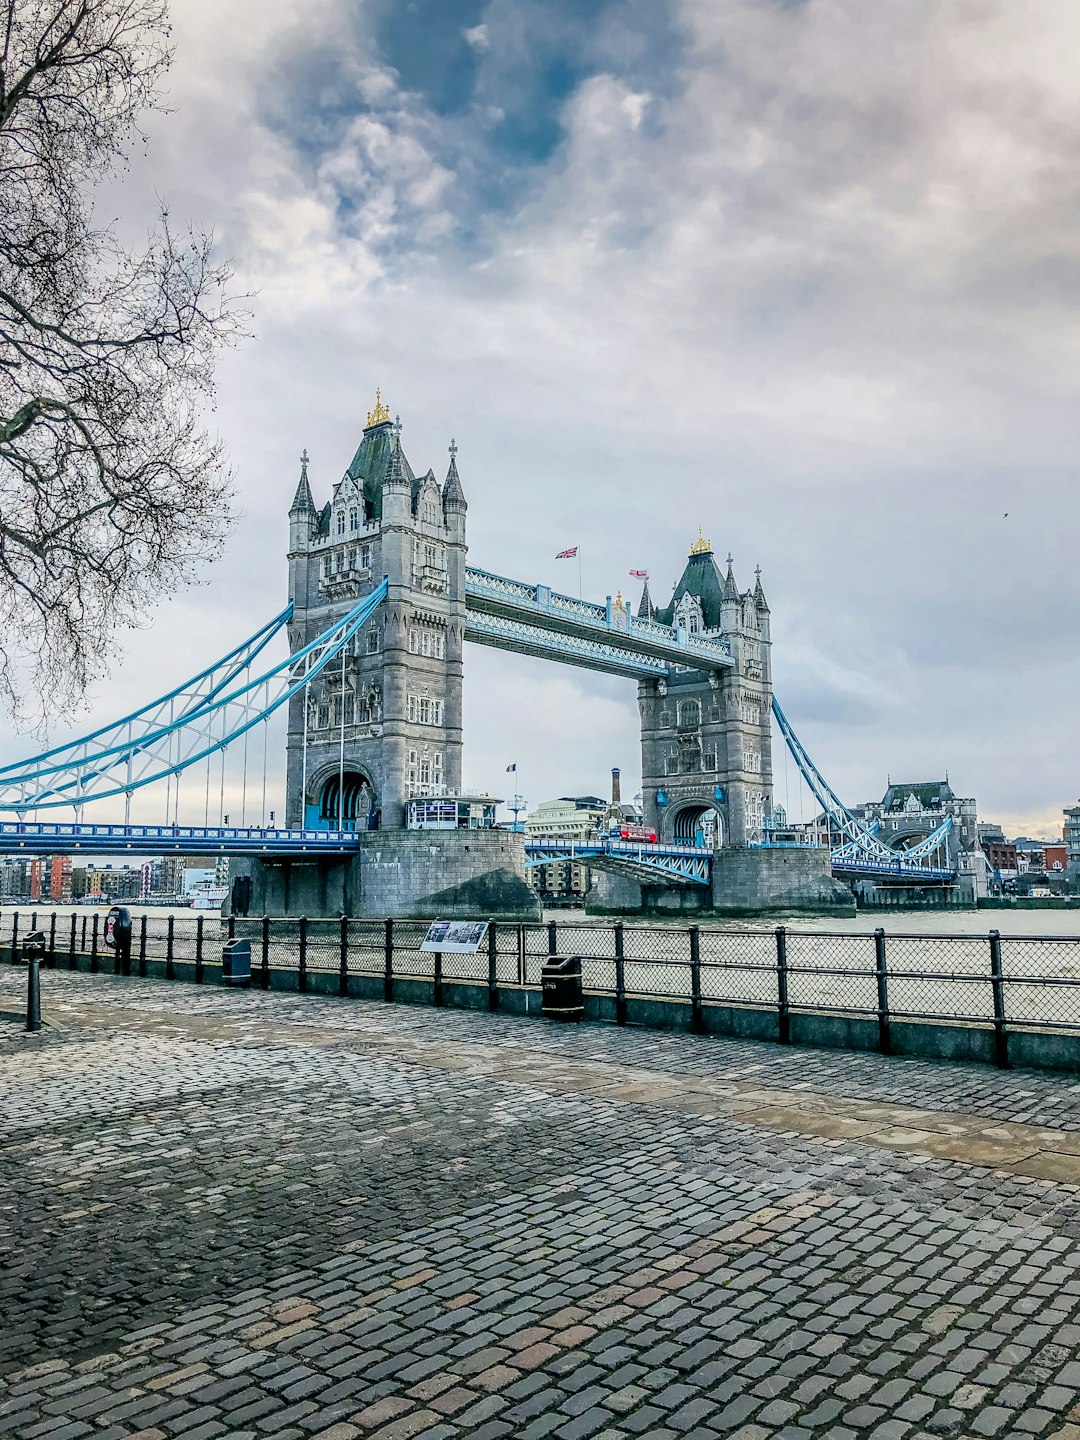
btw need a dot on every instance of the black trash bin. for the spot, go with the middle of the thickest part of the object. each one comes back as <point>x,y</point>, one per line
<point>561,980</point>
<point>236,963</point>
<point>118,937</point>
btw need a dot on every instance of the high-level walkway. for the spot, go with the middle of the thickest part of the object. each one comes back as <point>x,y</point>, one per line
<point>257,1214</point>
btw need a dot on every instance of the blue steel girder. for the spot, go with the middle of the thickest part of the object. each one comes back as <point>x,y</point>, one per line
<point>674,864</point>
<point>46,838</point>
<point>861,852</point>
<point>505,634</point>
<point>117,760</point>
<point>612,637</point>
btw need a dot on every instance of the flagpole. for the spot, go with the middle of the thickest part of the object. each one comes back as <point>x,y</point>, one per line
<point>580,587</point>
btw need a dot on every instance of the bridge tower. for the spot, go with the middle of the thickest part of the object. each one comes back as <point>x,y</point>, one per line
<point>384,725</point>
<point>706,740</point>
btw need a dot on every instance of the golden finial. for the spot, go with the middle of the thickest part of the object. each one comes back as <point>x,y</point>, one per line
<point>701,546</point>
<point>619,599</point>
<point>380,414</point>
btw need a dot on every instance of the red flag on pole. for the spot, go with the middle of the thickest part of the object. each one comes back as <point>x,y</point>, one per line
<point>640,574</point>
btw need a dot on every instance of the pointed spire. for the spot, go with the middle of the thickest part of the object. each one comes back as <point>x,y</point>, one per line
<point>759,593</point>
<point>302,499</point>
<point>452,491</point>
<point>395,474</point>
<point>731,590</point>
<point>645,606</point>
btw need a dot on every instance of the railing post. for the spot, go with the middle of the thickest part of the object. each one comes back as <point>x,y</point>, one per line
<point>521,942</point>
<point>697,1014</point>
<point>198,951</point>
<point>436,986</point>
<point>301,978</point>
<point>232,927</point>
<point>783,1013</point>
<point>118,956</point>
<point>388,962</point>
<point>264,969</point>
<point>72,962</point>
<point>553,938</point>
<point>343,957</point>
<point>882,972</point>
<point>997,986</point>
<point>14,937</point>
<point>170,973</point>
<point>620,975</point>
<point>93,946</point>
<point>52,941</point>
<point>493,970</point>
<point>142,947</point>
<point>82,945</point>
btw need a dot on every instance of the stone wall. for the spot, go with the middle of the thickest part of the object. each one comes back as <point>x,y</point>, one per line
<point>744,881</point>
<point>455,874</point>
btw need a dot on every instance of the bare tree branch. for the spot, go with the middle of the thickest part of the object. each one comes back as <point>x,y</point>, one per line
<point>110,489</point>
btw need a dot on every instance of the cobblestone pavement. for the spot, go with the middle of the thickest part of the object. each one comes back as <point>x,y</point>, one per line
<point>280,1216</point>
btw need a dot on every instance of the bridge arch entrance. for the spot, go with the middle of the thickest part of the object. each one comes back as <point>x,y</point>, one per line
<point>692,823</point>
<point>346,801</point>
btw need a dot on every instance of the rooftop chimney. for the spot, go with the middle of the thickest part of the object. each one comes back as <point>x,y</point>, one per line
<point>615,792</point>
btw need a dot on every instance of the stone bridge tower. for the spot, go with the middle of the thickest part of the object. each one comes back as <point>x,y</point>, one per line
<point>364,741</point>
<point>706,741</point>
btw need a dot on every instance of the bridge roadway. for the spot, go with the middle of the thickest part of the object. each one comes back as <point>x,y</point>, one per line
<point>674,864</point>
<point>671,864</point>
<point>536,620</point>
<point>47,838</point>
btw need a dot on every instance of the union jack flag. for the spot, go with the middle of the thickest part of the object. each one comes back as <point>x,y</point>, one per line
<point>566,554</point>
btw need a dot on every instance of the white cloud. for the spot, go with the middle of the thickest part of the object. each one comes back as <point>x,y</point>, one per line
<point>477,36</point>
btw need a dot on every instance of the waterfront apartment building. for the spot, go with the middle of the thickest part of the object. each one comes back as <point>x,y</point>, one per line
<point>1072,839</point>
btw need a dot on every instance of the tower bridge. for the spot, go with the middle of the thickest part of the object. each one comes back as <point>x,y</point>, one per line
<point>380,605</point>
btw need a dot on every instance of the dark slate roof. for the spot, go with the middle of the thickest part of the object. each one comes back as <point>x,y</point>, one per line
<point>929,793</point>
<point>453,494</point>
<point>372,461</point>
<point>302,499</point>
<point>645,608</point>
<point>324,519</point>
<point>703,580</point>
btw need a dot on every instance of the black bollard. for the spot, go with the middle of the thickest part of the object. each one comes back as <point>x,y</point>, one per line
<point>33,993</point>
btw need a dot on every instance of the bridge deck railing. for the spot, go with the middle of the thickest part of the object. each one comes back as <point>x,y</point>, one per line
<point>1003,984</point>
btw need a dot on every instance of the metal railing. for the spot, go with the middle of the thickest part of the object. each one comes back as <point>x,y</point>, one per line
<point>996,982</point>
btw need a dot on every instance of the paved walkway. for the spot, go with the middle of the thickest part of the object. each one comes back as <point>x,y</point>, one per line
<point>280,1216</point>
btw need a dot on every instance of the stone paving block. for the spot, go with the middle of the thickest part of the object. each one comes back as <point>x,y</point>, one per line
<point>598,1259</point>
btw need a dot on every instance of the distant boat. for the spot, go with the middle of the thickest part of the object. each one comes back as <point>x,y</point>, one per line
<point>207,896</point>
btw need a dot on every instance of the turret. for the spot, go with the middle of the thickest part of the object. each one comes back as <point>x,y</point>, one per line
<point>730,601</point>
<point>645,605</point>
<point>761,606</point>
<point>454,506</point>
<point>302,513</point>
<point>396,497</point>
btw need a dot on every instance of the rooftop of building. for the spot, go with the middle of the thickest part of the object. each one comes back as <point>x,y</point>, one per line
<point>929,793</point>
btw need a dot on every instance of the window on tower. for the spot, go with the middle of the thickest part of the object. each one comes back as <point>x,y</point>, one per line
<point>341,522</point>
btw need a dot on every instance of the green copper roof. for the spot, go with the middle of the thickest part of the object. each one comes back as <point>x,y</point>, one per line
<point>703,580</point>
<point>371,463</point>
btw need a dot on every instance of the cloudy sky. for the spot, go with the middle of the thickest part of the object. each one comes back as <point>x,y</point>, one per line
<point>801,273</point>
